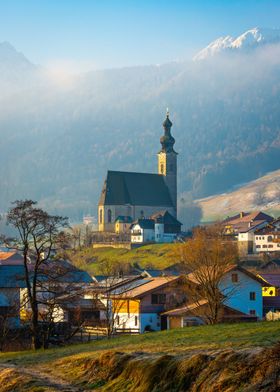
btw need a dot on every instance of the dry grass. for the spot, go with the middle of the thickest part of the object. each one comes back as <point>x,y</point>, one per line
<point>209,358</point>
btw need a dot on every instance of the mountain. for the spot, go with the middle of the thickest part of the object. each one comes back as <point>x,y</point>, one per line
<point>262,194</point>
<point>15,69</point>
<point>251,39</point>
<point>58,136</point>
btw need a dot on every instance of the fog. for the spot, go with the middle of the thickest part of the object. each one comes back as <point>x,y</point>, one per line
<point>60,132</point>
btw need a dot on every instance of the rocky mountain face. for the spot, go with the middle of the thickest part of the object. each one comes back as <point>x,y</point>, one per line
<point>58,136</point>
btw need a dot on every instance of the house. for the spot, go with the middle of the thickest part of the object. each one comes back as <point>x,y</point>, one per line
<point>122,224</point>
<point>138,305</point>
<point>243,227</point>
<point>143,231</point>
<point>139,195</point>
<point>267,239</point>
<point>242,290</point>
<point>271,292</point>
<point>11,283</point>
<point>160,227</point>
<point>193,314</point>
<point>62,288</point>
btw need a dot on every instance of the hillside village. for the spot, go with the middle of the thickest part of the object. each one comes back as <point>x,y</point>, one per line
<point>237,260</point>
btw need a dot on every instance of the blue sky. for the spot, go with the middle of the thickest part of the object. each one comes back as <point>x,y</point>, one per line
<point>85,34</point>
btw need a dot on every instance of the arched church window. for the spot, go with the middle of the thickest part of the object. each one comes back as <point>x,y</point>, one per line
<point>100,216</point>
<point>109,216</point>
<point>162,168</point>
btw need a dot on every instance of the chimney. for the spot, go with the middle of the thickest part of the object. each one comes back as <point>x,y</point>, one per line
<point>250,223</point>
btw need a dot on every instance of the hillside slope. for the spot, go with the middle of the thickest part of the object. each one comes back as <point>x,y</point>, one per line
<point>226,358</point>
<point>262,194</point>
<point>158,256</point>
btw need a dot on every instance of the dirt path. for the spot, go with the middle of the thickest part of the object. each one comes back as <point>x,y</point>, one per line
<point>44,378</point>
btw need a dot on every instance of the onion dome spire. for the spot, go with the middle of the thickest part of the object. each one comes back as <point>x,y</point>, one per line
<point>167,140</point>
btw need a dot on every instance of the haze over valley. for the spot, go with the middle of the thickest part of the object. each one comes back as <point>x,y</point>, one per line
<point>60,133</point>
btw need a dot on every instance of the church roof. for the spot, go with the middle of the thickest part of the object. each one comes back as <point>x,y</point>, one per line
<point>141,189</point>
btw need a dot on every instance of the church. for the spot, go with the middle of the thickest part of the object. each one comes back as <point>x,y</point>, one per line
<point>133,195</point>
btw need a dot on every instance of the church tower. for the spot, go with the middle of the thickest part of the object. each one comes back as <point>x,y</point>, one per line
<point>167,161</point>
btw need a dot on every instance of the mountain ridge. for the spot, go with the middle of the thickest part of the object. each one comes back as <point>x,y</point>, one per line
<point>251,39</point>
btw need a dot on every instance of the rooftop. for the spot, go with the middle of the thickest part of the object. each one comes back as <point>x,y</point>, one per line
<point>146,286</point>
<point>142,189</point>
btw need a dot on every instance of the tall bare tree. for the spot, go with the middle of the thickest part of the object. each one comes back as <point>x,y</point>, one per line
<point>37,232</point>
<point>206,257</point>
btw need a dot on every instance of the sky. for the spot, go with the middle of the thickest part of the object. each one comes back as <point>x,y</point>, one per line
<point>91,34</point>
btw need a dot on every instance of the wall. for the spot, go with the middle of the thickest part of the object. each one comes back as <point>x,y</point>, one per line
<point>267,242</point>
<point>126,311</point>
<point>175,322</point>
<point>239,293</point>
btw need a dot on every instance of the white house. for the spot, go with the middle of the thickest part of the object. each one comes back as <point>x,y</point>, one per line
<point>243,227</point>
<point>138,305</point>
<point>161,227</point>
<point>143,230</point>
<point>267,239</point>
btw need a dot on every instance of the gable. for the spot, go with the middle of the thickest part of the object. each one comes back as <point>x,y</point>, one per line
<point>141,189</point>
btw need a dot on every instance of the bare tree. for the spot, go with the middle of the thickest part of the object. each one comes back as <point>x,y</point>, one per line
<point>37,232</point>
<point>206,257</point>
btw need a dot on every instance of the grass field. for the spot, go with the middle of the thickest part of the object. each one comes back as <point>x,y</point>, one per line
<point>149,256</point>
<point>176,360</point>
<point>203,338</point>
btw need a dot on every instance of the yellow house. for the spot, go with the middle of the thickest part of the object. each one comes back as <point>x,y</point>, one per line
<point>122,224</point>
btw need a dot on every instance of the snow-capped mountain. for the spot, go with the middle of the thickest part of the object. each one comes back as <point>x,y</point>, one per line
<point>251,39</point>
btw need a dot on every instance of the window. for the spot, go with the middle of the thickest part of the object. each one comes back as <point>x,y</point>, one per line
<point>162,168</point>
<point>258,246</point>
<point>264,246</point>
<point>118,320</point>
<point>252,312</point>
<point>136,321</point>
<point>234,278</point>
<point>269,238</point>
<point>252,296</point>
<point>158,299</point>
<point>270,246</point>
<point>109,216</point>
<point>100,216</point>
